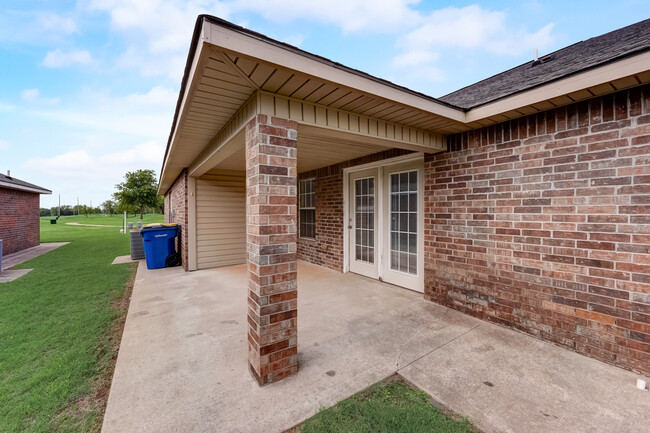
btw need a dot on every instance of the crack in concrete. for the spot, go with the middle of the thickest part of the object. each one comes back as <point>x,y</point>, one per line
<point>428,325</point>
<point>434,349</point>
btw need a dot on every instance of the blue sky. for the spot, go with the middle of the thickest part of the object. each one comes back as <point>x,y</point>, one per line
<point>88,87</point>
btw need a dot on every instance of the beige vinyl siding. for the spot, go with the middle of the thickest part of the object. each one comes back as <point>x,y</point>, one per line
<point>220,219</point>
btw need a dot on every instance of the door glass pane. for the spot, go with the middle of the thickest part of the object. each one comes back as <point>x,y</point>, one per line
<point>364,198</point>
<point>403,228</point>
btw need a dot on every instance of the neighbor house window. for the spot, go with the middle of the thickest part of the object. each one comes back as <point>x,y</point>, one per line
<point>307,204</point>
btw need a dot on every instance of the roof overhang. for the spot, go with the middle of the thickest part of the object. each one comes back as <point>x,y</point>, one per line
<point>233,73</point>
<point>18,187</point>
<point>607,78</point>
<point>229,66</point>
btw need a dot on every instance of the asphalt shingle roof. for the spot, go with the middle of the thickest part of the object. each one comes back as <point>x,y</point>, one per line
<point>8,182</point>
<point>573,59</point>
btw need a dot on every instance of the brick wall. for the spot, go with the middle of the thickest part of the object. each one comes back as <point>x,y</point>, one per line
<point>19,220</point>
<point>543,224</point>
<point>176,210</point>
<point>327,248</point>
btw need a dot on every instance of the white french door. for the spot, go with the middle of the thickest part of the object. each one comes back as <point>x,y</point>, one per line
<point>363,223</point>
<point>386,222</point>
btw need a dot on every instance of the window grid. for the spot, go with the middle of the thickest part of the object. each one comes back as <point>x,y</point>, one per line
<point>403,221</point>
<point>307,205</point>
<point>364,210</point>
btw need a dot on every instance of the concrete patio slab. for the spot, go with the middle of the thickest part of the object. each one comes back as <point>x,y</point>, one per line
<point>182,364</point>
<point>508,381</point>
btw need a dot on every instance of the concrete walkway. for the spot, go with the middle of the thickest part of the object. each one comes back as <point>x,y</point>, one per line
<point>11,260</point>
<point>182,362</point>
<point>91,225</point>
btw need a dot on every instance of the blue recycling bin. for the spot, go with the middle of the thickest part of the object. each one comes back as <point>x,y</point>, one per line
<point>158,243</point>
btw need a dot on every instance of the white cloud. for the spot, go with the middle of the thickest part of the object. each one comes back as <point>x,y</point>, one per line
<point>157,96</point>
<point>85,164</point>
<point>5,107</point>
<point>146,154</point>
<point>4,144</point>
<point>60,59</point>
<point>158,45</point>
<point>469,30</point>
<point>295,40</point>
<point>52,22</point>
<point>145,115</point>
<point>415,58</point>
<point>35,28</point>
<point>381,16</point>
<point>157,32</point>
<point>88,173</point>
<point>33,95</point>
<point>30,94</point>
<point>148,64</point>
<point>473,27</point>
<point>73,163</point>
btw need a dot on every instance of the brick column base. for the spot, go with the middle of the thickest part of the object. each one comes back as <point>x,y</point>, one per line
<point>271,184</point>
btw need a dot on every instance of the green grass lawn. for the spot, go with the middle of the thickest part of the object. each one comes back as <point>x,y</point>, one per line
<point>55,329</point>
<point>390,407</point>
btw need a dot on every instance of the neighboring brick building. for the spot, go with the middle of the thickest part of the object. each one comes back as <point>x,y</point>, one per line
<point>522,199</point>
<point>19,214</point>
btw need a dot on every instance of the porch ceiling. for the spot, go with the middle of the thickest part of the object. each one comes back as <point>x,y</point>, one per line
<point>233,73</point>
<point>316,149</point>
<point>228,67</point>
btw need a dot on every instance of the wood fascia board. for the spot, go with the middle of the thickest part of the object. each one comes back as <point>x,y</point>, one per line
<point>251,47</point>
<point>267,104</point>
<point>201,57</point>
<point>594,77</point>
<point>10,185</point>
<point>224,142</point>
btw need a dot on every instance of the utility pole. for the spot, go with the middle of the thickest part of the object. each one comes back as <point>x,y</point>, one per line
<point>59,212</point>
<point>77,206</point>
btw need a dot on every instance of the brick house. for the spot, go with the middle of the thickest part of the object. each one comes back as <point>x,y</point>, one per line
<point>523,199</point>
<point>19,214</point>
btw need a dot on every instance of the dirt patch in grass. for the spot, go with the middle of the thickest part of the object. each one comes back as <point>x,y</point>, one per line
<point>392,405</point>
<point>95,402</point>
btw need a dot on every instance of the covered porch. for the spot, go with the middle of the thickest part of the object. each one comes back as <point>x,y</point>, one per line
<point>255,117</point>
<point>182,361</point>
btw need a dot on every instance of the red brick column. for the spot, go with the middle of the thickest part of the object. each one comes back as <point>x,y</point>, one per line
<point>271,183</point>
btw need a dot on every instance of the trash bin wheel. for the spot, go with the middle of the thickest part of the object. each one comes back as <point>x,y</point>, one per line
<point>173,260</point>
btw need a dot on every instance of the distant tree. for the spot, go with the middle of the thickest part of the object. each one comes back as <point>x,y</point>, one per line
<point>45,212</point>
<point>108,207</point>
<point>120,208</point>
<point>160,204</point>
<point>66,210</point>
<point>138,190</point>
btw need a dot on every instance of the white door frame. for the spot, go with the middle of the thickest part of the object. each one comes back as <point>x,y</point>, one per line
<point>370,270</point>
<point>380,209</point>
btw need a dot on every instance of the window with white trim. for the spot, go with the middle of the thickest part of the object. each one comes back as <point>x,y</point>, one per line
<point>307,205</point>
